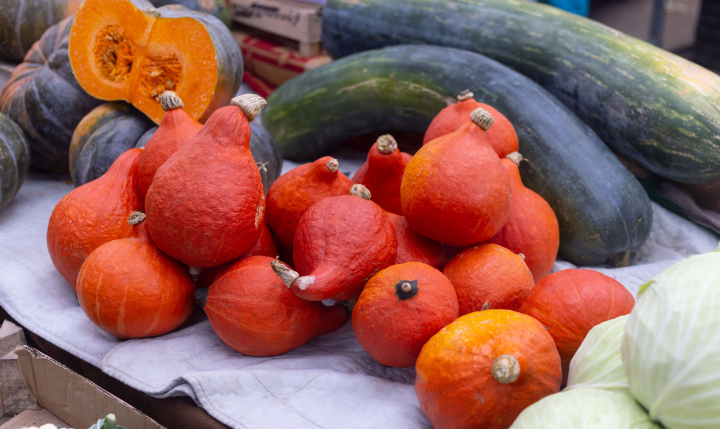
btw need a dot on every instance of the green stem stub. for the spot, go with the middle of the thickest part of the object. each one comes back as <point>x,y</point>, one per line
<point>406,289</point>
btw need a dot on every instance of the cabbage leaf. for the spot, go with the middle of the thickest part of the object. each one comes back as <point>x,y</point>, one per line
<point>598,362</point>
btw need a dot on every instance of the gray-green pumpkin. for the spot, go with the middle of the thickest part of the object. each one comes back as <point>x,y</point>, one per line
<point>14,159</point>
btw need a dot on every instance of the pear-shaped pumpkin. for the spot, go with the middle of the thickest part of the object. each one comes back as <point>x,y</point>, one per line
<point>413,247</point>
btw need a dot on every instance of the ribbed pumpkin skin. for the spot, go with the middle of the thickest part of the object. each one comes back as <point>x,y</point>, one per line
<point>392,325</point>
<point>296,191</point>
<point>206,203</point>
<point>175,130</point>
<point>103,134</point>
<point>93,214</point>
<point>341,242</point>
<point>455,189</point>
<point>253,312</point>
<point>23,22</point>
<point>532,228</point>
<point>382,175</point>
<point>413,247</point>
<point>14,159</point>
<point>216,8</point>
<point>571,302</point>
<point>131,289</point>
<point>43,97</point>
<point>502,135</point>
<point>488,276</point>
<point>454,382</point>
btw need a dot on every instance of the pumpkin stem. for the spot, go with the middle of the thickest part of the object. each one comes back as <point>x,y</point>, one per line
<point>406,289</point>
<point>349,304</point>
<point>170,101</point>
<point>522,256</point>
<point>250,104</point>
<point>194,273</point>
<point>465,95</point>
<point>333,165</point>
<point>136,218</point>
<point>359,190</point>
<point>386,144</point>
<point>201,295</point>
<point>506,369</point>
<point>515,157</point>
<point>287,275</point>
<point>482,118</point>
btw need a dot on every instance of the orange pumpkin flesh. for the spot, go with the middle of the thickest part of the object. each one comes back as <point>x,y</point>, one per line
<point>131,289</point>
<point>253,312</point>
<point>121,52</point>
<point>502,135</point>
<point>489,276</point>
<point>93,214</point>
<point>413,247</point>
<point>571,302</point>
<point>176,129</point>
<point>455,189</point>
<point>383,173</point>
<point>465,372</point>
<point>399,309</point>
<point>297,190</point>
<point>532,228</point>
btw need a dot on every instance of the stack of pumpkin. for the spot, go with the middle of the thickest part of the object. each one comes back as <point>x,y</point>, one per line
<point>375,243</point>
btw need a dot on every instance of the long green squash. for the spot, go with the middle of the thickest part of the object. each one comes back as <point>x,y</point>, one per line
<point>654,107</point>
<point>601,207</point>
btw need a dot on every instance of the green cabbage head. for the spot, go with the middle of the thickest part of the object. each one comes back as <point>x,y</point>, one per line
<point>598,362</point>
<point>671,347</point>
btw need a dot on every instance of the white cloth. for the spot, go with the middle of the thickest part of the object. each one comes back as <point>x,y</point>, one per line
<point>330,382</point>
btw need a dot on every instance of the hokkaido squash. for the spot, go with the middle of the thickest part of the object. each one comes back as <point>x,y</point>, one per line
<point>176,129</point>
<point>399,309</point>
<point>340,242</point>
<point>252,311</point>
<point>43,97</point>
<point>502,135</point>
<point>128,50</point>
<point>483,369</point>
<point>14,159</point>
<point>413,247</point>
<point>206,204</point>
<point>382,173</point>
<point>571,302</point>
<point>131,289</point>
<point>297,190</point>
<point>455,189</point>
<point>489,276</point>
<point>93,214</point>
<point>532,228</point>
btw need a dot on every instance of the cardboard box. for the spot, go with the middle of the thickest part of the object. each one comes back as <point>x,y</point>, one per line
<point>35,415</point>
<point>72,397</point>
<point>292,19</point>
<point>276,64</point>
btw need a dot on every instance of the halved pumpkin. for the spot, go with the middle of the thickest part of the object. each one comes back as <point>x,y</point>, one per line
<point>128,50</point>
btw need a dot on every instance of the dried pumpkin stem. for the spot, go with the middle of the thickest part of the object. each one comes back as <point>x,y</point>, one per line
<point>386,144</point>
<point>170,101</point>
<point>333,165</point>
<point>482,118</point>
<point>506,369</point>
<point>515,157</point>
<point>465,95</point>
<point>250,104</point>
<point>136,218</point>
<point>287,275</point>
<point>194,273</point>
<point>360,191</point>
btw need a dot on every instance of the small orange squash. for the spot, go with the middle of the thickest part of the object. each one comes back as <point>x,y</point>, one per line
<point>399,309</point>
<point>253,312</point>
<point>297,190</point>
<point>382,173</point>
<point>532,228</point>
<point>93,214</point>
<point>483,369</point>
<point>489,276</point>
<point>413,247</point>
<point>502,135</point>
<point>176,129</point>
<point>131,289</point>
<point>455,189</point>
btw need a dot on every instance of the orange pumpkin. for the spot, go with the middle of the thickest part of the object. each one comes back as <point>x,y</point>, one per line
<point>382,173</point>
<point>252,311</point>
<point>502,135</point>
<point>489,276</point>
<point>93,214</point>
<point>455,189</point>
<point>413,247</point>
<point>399,309</point>
<point>571,302</point>
<point>131,289</point>
<point>297,190</point>
<point>483,369</point>
<point>206,204</point>
<point>532,228</point>
<point>176,129</point>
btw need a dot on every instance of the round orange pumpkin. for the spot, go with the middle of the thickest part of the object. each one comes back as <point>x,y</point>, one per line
<point>483,369</point>
<point>413,247</point>
<point>489,276</point>
<point>399,309</point>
